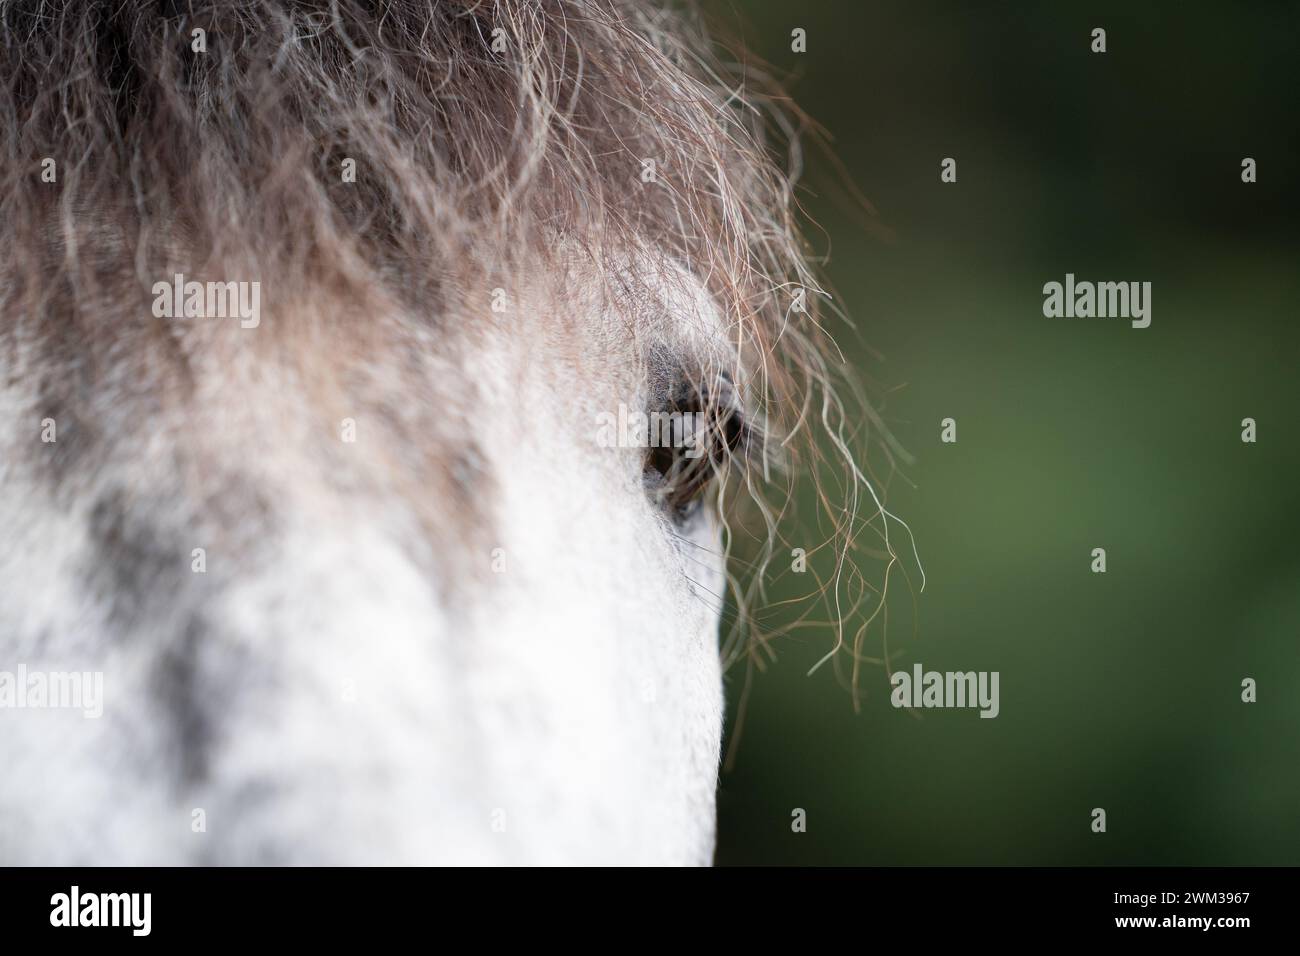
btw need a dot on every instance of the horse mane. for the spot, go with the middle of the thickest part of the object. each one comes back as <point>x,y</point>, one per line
<point>495,125</point>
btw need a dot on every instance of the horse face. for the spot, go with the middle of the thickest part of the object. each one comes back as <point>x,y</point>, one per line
<point>397,596</point>
<point>391,539</point>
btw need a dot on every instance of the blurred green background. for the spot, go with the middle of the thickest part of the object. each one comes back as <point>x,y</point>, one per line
<point>1118,690</point>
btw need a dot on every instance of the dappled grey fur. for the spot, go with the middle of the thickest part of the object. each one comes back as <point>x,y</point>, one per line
<point>496,145</point>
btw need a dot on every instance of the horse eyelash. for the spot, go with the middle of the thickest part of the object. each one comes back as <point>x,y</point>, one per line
<point>680,481</point>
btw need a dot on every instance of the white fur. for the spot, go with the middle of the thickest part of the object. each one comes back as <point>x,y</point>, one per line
<point>565,710</point>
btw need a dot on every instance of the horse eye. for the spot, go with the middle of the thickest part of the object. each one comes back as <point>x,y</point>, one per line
<point>689,444</point>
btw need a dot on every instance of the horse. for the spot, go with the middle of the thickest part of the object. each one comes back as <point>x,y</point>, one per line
<point>331,336</point>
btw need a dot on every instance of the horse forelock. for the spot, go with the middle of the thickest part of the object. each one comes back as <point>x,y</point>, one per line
<point>495,146</point>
